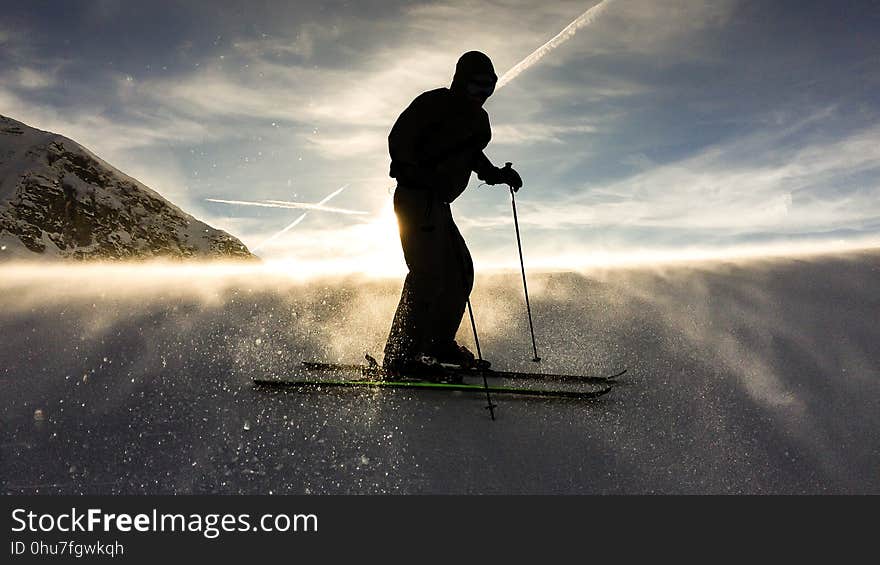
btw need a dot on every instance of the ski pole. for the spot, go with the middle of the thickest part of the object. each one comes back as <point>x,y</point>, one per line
<point>523,267</point>
<point>489,405</point>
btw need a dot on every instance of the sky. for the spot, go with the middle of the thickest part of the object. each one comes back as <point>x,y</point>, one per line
<point>656,129</point>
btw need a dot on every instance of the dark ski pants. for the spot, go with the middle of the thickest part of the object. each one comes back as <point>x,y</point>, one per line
<point>440,278</point>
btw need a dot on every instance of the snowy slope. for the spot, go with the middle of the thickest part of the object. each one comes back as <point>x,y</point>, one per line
<point>58,200</point>
<point>744,378</point>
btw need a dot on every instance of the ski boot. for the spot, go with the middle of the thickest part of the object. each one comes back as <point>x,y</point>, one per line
<point>418,367</point>
<point>459,356</point>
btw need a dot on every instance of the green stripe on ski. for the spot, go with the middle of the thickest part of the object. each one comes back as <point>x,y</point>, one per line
<point>424,385</point>
<point>369,370</point>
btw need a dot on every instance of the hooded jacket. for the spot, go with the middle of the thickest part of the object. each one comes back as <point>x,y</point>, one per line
<point>440,137</point>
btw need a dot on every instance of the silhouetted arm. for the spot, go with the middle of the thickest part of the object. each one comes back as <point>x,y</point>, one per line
<point>486,171</point>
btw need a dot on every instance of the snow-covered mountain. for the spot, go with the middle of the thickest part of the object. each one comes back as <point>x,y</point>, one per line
<point>58,200</point>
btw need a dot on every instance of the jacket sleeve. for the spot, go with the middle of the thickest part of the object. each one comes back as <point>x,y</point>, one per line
<point>486,171</point>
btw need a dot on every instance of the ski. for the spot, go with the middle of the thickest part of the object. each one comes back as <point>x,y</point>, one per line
<point>304,384</point>
<point>373,369</point>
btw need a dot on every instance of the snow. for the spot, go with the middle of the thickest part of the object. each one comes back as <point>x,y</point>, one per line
<point>11,249</point>
<point>17,140</point>
<point>749,377</point>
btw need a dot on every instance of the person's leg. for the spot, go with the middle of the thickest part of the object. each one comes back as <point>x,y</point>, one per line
<point>445,348</point>
<point>458,274</point>
<point>422,238</point>
<point>402,338</point>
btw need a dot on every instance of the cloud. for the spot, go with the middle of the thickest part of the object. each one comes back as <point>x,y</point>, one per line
<point>534,133</point>
<point>301,46</point>
<point>282,78</point>
<point>32,79</point>
<point>750,183</point>
<point>13,42</point>
<point>91,126</point>
<point>366,142</point>
<point>261,81</point>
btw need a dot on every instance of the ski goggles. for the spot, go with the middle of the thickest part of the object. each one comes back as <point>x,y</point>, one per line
<point>480,89</point>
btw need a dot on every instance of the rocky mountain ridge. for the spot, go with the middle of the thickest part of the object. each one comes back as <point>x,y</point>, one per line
<point>60,201</point>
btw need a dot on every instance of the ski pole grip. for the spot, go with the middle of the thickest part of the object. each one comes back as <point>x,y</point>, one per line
<point>508,165</point>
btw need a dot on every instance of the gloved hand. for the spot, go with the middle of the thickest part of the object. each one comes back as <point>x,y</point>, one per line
<point>506,175</point>
<point>510,177</point>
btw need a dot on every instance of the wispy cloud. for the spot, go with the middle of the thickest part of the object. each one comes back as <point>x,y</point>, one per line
<point>302,45</point>
<point>534,133</point>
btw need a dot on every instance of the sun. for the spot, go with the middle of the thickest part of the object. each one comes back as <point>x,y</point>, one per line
<point>369,247</point>
<point>381,238</point>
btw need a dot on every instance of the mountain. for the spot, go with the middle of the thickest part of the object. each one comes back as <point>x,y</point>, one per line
<point>58,200</point>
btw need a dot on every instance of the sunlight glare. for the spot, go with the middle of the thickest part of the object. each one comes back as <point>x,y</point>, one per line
<point>370,248</point>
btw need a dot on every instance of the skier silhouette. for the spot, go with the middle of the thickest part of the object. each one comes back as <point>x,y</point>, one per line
<point>435,144</point>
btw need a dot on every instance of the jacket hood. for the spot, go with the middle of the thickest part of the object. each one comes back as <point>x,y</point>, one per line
<point>471,66</point>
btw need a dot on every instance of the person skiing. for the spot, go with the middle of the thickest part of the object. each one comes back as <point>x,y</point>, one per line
<point>435,144</point>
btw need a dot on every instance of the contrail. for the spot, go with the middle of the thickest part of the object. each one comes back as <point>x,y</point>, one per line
<point>300,218</point>
<point>286,204</point>
<point>584,19</point>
